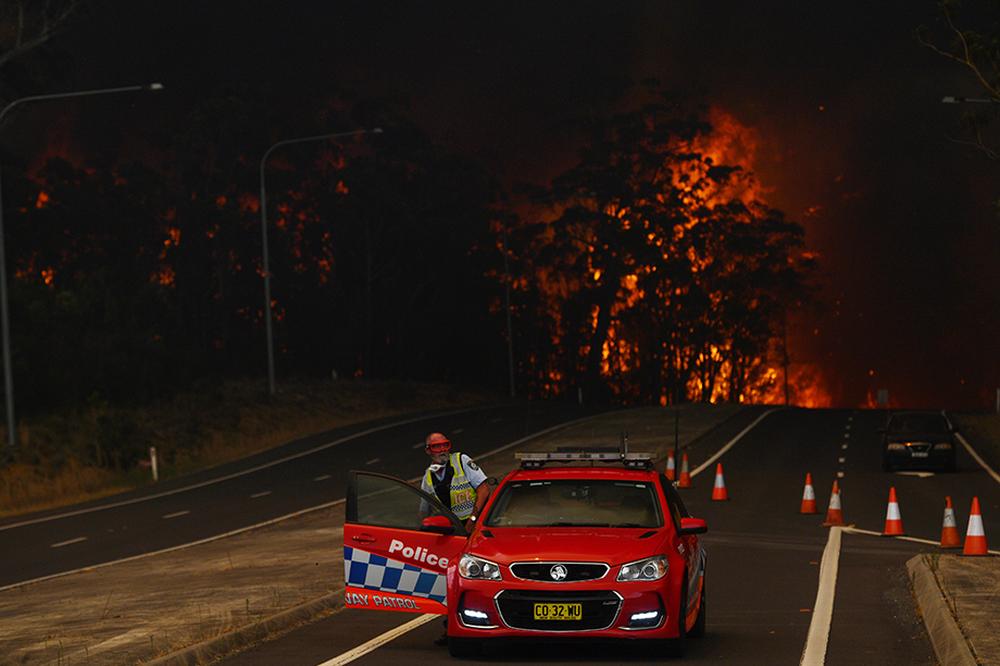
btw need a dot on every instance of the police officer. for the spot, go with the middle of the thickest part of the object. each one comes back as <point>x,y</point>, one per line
<point>454,479</point>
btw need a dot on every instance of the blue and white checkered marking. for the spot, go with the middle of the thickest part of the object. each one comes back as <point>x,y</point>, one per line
<point>374,572</point>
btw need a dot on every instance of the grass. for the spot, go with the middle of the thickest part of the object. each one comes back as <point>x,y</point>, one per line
<point>99,450</point>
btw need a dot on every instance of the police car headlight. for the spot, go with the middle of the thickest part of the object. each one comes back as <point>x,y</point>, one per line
<point>477,568</point>
<point>651,568</point>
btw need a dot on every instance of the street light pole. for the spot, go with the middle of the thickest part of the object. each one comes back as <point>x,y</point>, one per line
<point>265,258</point>
<point>8,373</point>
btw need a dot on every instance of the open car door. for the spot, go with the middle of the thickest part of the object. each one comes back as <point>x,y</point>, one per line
<point>398,545</point>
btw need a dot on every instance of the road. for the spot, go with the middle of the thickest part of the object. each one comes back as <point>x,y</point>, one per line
<point>304,473</point>
<point>764,559</point>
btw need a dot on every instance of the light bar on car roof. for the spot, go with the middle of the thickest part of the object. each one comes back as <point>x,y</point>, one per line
<point>535,460</point>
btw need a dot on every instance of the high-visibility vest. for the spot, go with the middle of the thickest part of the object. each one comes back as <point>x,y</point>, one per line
<point>463,495</point>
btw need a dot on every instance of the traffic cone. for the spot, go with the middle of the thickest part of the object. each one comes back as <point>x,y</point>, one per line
<point>834,514</point>
<point>719,493</point>
<point>975,537</point>
<point>949,531</point>
<point>893,521</point>
<point>671,468</point>
<point>685,480</point>
<point>808,496</point>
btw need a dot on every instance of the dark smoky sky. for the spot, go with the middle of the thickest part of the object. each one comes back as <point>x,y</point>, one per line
<point>844,101</point>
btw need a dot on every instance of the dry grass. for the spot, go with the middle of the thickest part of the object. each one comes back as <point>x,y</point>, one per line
<point>73,457</point>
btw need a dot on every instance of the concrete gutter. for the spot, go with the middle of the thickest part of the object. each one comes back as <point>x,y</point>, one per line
<point>950,644</point>
<point>215,648</point>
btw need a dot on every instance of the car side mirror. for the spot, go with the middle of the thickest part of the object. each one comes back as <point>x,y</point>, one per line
<point>693,526</point>
<point>437,524</point>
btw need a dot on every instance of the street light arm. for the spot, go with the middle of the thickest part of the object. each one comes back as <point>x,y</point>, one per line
<point>265,258</point>
<point>78,93</point>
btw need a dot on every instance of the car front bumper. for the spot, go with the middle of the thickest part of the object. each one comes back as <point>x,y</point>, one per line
<point>609,610</point>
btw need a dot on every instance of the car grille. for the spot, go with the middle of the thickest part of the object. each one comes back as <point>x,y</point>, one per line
<point>516,607</point>
<point>575,571</point>
<point>919,447</point>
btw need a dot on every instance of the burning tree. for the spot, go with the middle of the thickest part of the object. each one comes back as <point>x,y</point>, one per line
<point>659,274</point>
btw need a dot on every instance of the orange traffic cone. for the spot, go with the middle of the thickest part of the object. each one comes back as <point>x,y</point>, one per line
<point>893,521</point>
<point>808,496</point>
<point>975,537</point>
<point>671,467</point>
<point>834,514</point>
<point>949,531</point>
<point>685,480</point>
<point>719,492</point>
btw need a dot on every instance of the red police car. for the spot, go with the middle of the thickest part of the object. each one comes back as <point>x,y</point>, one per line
<point>589,545</point>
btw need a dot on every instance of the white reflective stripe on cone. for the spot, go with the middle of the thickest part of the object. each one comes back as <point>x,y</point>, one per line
<point>892,513</point>
<point>719,483</point>
<point>835,501</point>
<point>975,526</point>
<point>808,493</point>
<point>949,518</point>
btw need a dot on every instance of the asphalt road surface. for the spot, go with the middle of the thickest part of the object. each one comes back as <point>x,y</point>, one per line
<point>763,567</point>
<point>256,489</point>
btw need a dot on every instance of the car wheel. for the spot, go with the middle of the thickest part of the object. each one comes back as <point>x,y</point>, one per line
<point>698,630</point>
<point>464,648</point>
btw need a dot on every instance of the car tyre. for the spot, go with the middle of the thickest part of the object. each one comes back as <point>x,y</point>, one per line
<point>698,630</point>
<point>464,648</point>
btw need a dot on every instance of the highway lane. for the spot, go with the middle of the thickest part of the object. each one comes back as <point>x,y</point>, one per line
<point>63,542</point>
<point>764,558</point>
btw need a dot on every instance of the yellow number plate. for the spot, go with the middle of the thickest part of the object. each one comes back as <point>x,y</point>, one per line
<point>558,611</point>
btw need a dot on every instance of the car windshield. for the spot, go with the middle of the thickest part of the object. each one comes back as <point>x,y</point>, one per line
<point>576,503</point>
<point>923,423</point>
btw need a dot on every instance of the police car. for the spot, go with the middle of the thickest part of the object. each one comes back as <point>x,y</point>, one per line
<point>571,545</point>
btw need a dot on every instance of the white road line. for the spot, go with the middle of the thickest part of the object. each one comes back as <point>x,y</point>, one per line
<point>67,543</point>
<point>373,461</point>
<point>847,427</point>
<point>263,493</point>
<point>732,442</point>
<point>847,435</point>
<point>177,514</point>
<point>457,431</point>
<point>840,475</point>
<point>814,653</point>
<point>857,530</point>
<point>841,460</point>
<point>378,641</point>
<point>972,452</point>
<point>418,445</point>
<point>322,477</point>
<point>921,475</point>
<point>234,475</point>
<point>844,446</point>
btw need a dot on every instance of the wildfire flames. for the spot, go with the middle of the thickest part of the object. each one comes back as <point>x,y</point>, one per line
<point>710,371</point>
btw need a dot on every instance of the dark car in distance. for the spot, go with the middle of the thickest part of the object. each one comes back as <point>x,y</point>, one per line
<point>918,440</point>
